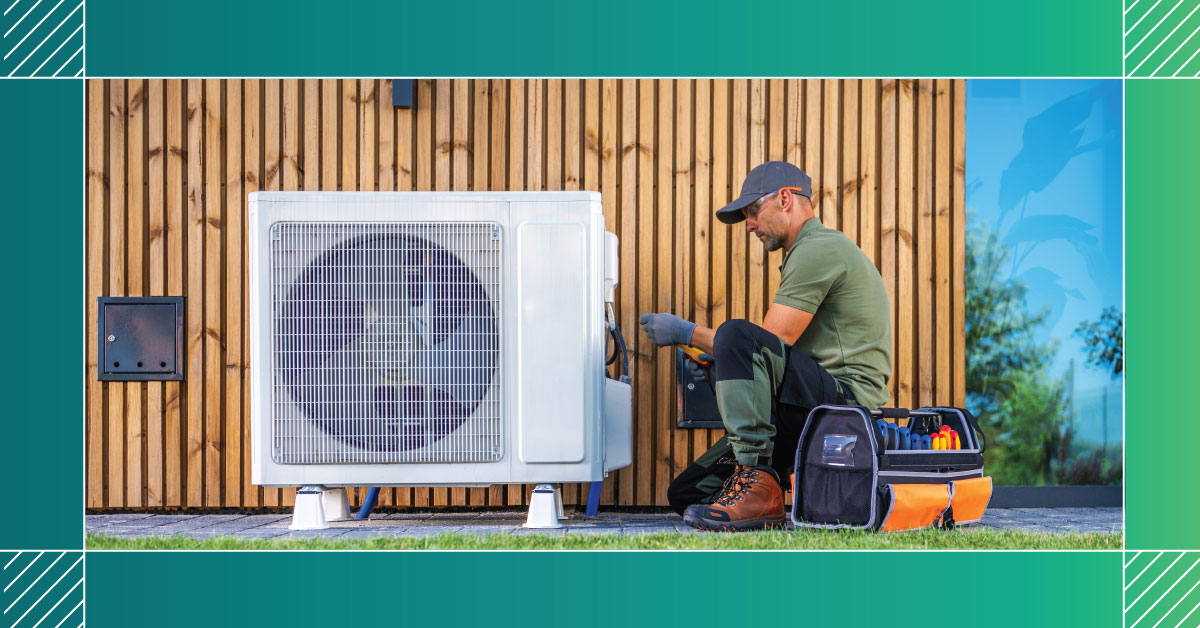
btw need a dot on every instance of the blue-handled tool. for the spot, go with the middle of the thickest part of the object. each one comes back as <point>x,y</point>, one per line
<point>882,425</point>
<point>903,437</point>
<point>914,441</point>
<point>893,437</point>
<point>927,442</point>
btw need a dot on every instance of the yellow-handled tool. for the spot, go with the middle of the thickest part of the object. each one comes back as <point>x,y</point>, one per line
<point>694,354</point>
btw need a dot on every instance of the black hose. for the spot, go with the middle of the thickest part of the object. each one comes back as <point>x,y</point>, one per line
<point>615,330</point>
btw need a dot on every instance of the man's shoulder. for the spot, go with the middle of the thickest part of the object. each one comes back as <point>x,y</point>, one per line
<point>829,244</point>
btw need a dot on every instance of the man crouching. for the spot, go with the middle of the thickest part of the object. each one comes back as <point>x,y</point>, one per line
<point>826,339</point>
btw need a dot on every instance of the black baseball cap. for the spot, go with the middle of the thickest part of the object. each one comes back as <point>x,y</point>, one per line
<point>765,179</point>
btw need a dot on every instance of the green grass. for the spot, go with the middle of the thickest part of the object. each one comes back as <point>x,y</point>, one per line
<point>777,540</point>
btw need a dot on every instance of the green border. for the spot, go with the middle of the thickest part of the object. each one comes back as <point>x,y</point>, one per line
<point>604,589</point>
<point>613,38</point>
<point>41,178</point>
<point>1162,270</point>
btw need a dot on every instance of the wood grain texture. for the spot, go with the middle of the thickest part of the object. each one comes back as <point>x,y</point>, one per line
<point>906,195</point>
<point>213,292</point>
<point>97,197</point>
<point>251,179</point>
<point>135,242</point>
<point>155,256</point>
<point>232,283</point>
<point>627,297</point>
<point>170,163</point>
<point>116,285</point>
<point>958,227</point>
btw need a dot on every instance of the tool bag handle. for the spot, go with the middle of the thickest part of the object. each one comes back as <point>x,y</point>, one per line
<point>975,426</point>
<point>900,413</point>
<point>891,413</point>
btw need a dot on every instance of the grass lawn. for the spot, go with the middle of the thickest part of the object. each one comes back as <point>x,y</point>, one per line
<point>775,540</point>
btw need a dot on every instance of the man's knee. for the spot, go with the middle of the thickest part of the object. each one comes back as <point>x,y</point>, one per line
<point>735,344</point>
<point>735,337</point>
<point>735,331</point>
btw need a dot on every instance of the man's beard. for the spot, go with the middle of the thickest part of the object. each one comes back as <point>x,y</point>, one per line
<point>772,242</point>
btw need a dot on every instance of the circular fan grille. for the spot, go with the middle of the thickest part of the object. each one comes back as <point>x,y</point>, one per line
<point>388,342</point>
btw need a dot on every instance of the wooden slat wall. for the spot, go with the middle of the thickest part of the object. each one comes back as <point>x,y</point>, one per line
<point>169,164</point>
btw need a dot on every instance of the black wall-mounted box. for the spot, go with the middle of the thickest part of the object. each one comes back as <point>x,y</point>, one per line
<point>697,401</point>
<point>402,92</point>
<point>141,339</point>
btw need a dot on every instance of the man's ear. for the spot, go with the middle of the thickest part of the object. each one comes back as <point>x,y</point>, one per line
<point>787,200</point>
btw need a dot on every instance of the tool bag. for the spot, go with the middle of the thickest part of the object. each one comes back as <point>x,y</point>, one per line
<point>847,477</point>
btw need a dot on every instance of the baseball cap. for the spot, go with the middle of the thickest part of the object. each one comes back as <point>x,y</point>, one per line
<point>763,180</point>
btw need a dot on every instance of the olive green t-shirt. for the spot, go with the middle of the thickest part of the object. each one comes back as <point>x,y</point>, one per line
<point>850,336</point>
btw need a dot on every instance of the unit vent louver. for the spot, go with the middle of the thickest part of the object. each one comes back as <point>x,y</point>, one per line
<point>386,342</point>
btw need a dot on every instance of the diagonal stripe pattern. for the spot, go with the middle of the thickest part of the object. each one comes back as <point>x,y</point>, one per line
<point>1161,38</point>
<point>1162,589</point>
<point>41,38</point>
<point>41,589</point>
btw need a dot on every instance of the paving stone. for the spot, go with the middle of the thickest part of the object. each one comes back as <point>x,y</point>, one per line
<point>262,520</point>
<point>594,530</point>
<point>409,516</point>
<point>369,533</point>
<point>455,516</point>
<point>221,530</point>
<point>650,524</point>
<point>428,532</point>
<point>490,530</point>
<point>260,533</point>
<point>92,522</point>
<point>195,523</point>
<point>642,530</point>
<point>165,519</point>
<point>503,514</point>
<point>540,531</point>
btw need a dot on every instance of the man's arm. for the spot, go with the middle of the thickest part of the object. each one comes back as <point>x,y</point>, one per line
<point>783,321</point>
<point>786,322</point>
<point>702,338</point>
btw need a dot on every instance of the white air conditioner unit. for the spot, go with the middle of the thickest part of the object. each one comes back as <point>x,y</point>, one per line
<point>431,339</point>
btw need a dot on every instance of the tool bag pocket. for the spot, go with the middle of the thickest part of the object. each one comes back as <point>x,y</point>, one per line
<point>836,469</point>
<point>847,477</point>
<point>913,506</point>
<point>969,499</point>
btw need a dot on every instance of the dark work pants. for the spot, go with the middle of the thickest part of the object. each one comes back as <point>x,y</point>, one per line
<point>765,390</point>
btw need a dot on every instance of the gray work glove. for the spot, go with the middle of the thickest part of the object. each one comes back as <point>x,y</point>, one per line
<point>666,329</point>
<point>701,373</point>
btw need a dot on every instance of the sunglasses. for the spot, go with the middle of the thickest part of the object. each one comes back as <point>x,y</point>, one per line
<point>751,211</point>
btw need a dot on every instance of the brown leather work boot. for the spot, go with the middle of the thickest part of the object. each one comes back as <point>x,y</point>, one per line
<point>750,500</point>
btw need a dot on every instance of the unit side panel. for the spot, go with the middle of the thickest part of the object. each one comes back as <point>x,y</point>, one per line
<point>552,313</point>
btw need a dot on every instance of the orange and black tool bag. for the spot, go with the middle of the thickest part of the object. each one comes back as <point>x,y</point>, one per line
<point>847,476</point>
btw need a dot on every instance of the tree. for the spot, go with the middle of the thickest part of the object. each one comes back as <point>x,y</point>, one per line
<point>1104,341</point>
<point>1021,408</point>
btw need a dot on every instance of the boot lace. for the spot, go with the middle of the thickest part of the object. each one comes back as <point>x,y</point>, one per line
<point>737,485</point>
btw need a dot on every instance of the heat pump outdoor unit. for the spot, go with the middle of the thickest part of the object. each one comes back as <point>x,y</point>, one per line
<point>431,339</point>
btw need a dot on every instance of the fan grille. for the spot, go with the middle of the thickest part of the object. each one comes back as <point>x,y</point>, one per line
<point>385,342</point>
